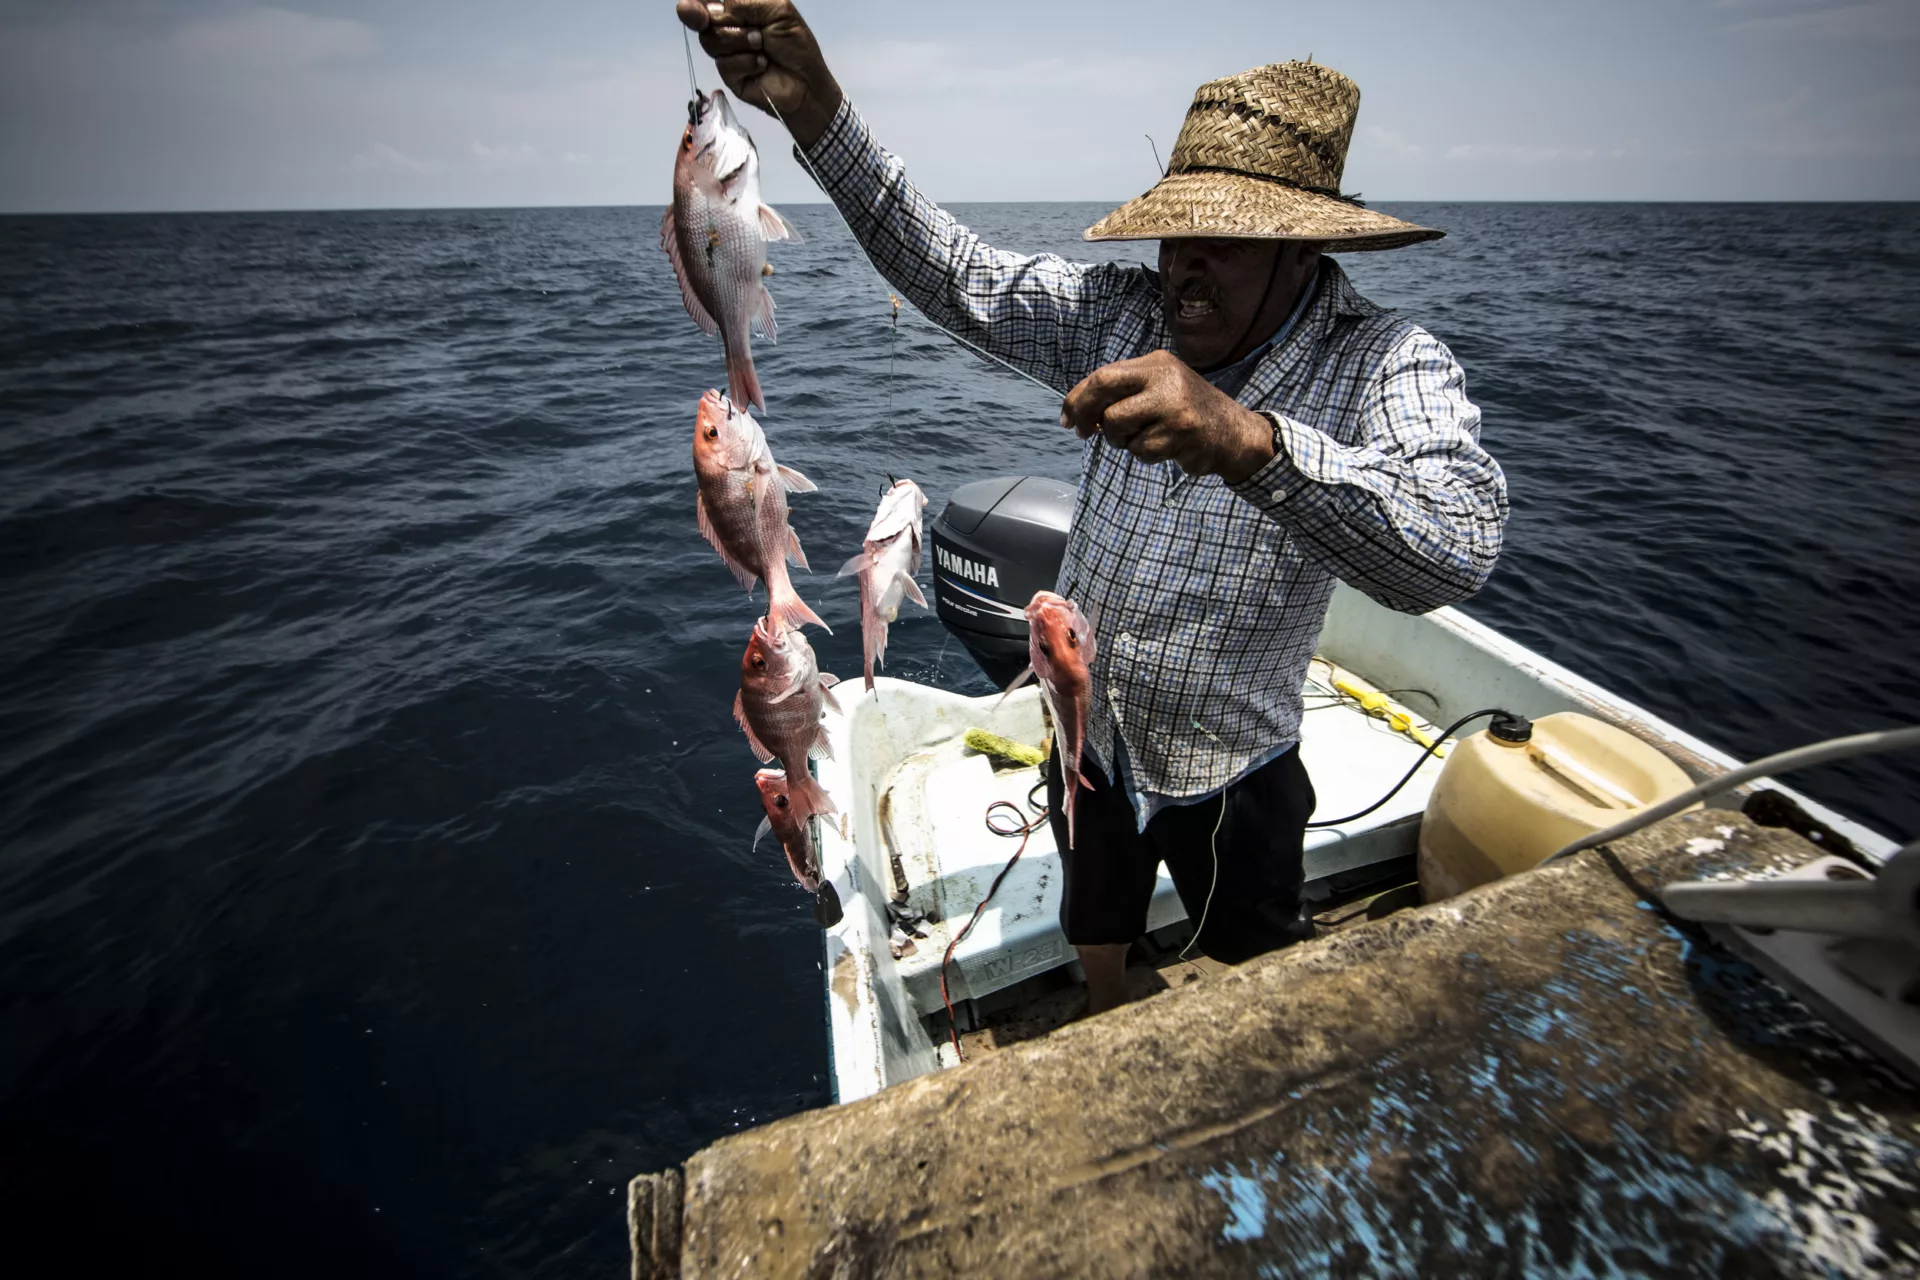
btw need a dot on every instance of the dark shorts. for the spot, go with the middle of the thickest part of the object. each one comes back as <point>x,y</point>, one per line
<point>1255,904</point>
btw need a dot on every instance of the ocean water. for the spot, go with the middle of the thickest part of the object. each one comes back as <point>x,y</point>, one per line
<point>375,884</point>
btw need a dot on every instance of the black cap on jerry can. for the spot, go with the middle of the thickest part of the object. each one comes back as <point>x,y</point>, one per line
<point>1511,729</point>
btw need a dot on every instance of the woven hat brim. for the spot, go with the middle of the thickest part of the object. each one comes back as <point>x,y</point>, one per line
<point>1238,206</point>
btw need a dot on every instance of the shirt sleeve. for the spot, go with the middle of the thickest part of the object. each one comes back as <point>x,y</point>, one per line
<point>1041,313</point>
<point>1414,514</point>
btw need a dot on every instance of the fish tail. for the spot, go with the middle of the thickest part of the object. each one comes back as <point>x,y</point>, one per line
<point>743,384</point>
<point>785,608</point>
<point>873,633</point>
<point>807,795</point>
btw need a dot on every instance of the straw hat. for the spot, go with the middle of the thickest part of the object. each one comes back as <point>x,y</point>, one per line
<point>1259,157</point>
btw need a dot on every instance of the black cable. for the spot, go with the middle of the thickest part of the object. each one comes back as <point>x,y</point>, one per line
<point>1023,828</point>
<point>1434,746</point>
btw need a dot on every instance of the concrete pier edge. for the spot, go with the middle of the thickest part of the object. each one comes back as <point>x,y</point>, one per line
<point>1547,1072</point>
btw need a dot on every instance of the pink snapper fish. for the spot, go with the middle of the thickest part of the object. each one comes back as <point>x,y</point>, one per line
<point>782,694</point>
<point>716,232</point>
<point>788,826</point>
<point>886,567</point>
<point>742,506</point>
<point>1060,651</point>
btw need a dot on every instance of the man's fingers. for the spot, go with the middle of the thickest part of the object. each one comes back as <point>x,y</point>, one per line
<point>741,13</point>
<point>740,66</point>
<point>1124,419</point>
<point>693,13</point>
<point>1155,443</point>
<point>1086,405</point>
<point>720,41</point>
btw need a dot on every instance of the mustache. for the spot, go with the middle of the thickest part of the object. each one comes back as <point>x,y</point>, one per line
<point>1196,291</point>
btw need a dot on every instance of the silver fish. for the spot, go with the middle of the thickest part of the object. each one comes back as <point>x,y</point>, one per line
<point>716,232</point>
<point>886,565</point>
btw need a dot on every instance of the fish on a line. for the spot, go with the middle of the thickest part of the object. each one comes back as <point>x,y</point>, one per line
<point>741,507</point>
<point>715,233</point>
<point>885,567</point>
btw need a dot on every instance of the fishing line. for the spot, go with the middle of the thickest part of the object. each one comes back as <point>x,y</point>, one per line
<point>1213,847</point>
<point>693,81</point>
<point>822,184</point>
<point>893,330</point>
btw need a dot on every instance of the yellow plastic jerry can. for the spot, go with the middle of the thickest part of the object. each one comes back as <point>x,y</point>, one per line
<point>1509,797</point>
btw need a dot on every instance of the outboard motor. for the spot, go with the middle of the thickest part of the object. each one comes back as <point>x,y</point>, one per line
<point>996,543</point>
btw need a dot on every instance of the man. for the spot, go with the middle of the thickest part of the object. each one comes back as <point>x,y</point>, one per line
<point>1255,429</point>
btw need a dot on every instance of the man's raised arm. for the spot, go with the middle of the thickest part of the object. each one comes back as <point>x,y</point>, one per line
<point>1041,313</point>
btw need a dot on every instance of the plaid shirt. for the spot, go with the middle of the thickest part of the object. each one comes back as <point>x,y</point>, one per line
<point>1207,598</point>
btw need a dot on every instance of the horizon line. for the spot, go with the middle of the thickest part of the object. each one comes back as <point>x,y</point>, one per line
<point>822,204</point>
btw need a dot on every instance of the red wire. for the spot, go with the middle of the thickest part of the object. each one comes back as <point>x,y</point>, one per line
<point>1025,831</point>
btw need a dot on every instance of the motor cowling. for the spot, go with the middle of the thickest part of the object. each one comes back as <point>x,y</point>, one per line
<point>996,543</point>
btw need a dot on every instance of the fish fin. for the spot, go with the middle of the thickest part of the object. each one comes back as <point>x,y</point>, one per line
<point>670,241</point>
<point>740,716</point>
<point>1018,680</point>
<point>743,384</point>
<point>787,609</point>
<point>784,694</point>
<point>854,565</point>
<point>826,694</point>
<point>807,795</point>
<point>822,748</point>
<point>775,227</point>
<point>760,316</point>
<point>762,831</point>
<point>795,482</point>
<point>912,589</point>
<point>829,679</point>
<point>794,553</point>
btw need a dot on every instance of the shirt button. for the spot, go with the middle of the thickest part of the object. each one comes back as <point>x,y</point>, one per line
<point>1279,495</point>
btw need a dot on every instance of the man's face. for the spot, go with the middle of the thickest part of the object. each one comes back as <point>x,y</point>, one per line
<point>1216,298</point>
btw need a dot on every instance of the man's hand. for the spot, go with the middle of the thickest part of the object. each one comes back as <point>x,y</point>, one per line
<point>1157,408</point>
<point>766,53</point>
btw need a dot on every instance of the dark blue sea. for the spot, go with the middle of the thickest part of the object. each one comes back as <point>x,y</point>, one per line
<point>375,884</point>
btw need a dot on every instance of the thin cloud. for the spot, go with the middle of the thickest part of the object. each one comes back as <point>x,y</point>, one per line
<point>497,159</point>
<point>1888,21</point>
<point>264,38</point>
<point>381,158</point>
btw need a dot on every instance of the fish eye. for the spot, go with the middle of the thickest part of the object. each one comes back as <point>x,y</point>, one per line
<point>713,433</point>
<point>759,661</point>
<point>780,802</point>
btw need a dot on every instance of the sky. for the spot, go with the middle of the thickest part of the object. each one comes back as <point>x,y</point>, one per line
<point>109,105</point>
